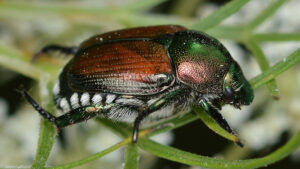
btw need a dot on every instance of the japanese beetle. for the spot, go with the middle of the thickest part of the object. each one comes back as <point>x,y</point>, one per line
<point>146,74</point>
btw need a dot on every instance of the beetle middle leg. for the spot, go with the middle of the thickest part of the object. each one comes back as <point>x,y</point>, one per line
<point>74,116</point>
<point>50,48</point>
<point>158,104</point>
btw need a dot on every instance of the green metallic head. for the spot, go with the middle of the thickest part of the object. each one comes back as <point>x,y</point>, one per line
<point>237,90</point>
<point>204,64</point>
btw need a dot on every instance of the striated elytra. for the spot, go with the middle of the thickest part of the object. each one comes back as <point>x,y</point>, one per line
<point>144,75</point>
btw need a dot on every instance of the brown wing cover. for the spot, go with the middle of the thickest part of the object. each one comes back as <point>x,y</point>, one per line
<point>139,32</point>
<point>127,67</point>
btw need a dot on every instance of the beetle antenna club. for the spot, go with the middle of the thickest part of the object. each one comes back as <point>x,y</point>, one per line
<point>144,75</point>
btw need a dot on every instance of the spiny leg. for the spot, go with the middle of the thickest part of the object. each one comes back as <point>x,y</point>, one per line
<point>136,125</point>
<point>217,117</point>
<point>77,115</point>
<point>158,104</point>
<point>37,107</point>
<point>74,116</point>
<point>61,49</point>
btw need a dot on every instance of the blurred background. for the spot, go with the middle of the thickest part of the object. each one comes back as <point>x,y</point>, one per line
<point>27,26</point>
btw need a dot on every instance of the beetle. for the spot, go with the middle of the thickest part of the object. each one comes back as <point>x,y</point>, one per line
<point>146,74</point>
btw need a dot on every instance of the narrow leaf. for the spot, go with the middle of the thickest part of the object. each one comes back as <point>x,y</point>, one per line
<point>220,15</point>
<point>120,128</point>
<point>131,157</point>
<point>92,157</point>
<point>276,70</point>
<point>143,4</point>
<point>214,126</point>
<point>276,37</point>
<point>46,140</point>
<point>188,158</point>
<point>13,60</point>
<point>47,131</point>
<point>173,124</point>
<point>265,14</point>
<point>264,65</point>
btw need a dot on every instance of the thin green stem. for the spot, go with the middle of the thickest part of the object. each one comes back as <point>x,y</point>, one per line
<point>143,5</point>
<point>235,33</point>
<point>265,14</point>
<point>276,37</point>
<point>124,130</point>
<point>173,124</point>
<point>277,69</point>
<point>177,155</point>
<point>14,167</point>
<point>264,65</point>
<point>47,131</point>
<point>218,16</point>
<point>14,61</point>
<point>131,157</point>
<point>119,14</point>
<point>54,8</point>
<point>92,157</point>
<point>214,126</point>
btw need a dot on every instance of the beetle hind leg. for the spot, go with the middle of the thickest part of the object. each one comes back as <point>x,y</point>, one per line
<point>74,116</point>
<point>37,107</point>
<point>62,49</point>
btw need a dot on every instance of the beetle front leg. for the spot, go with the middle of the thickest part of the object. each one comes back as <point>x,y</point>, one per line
<point>215,115</point>
<point>62,49</point>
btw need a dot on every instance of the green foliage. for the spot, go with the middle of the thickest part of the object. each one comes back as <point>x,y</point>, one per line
<point>130,15</point>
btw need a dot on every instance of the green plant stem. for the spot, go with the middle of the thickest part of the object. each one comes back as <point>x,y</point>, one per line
<point>173,124</point>
<point>236,33</point>
<point>277,69</point>
<point>131,157</point>
<point>264,65</point>
<point>183,8</point>
<point>47,131</point>
<point>93,157</point>
<point>143,5</point>
<point>13,60</point>
<point>218,16</point>
<point>122,129</point>
<point>177,155</point>
<point>14,168</point>
<point>265,14</point>
<point>211,123</point>
<point>118,14</point>
<point>276,37</point>
<point>46,140</point>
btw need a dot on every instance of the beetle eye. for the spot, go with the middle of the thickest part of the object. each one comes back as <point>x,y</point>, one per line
<point>228,92</point>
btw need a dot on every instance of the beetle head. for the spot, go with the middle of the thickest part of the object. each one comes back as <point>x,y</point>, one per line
<point>236,89</point>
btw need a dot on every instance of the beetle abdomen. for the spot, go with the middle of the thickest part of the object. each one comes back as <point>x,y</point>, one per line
<point>123,108</point>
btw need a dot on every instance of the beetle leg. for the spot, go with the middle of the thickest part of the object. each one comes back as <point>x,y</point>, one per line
<point>74,116</point>
<point>215,115</point>
<point>136,125</point>
<point>77,115</point>
<point>61,49</point>
<point>210,110</point>
<point>158,104</point>
<point>37,107</point>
